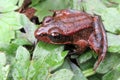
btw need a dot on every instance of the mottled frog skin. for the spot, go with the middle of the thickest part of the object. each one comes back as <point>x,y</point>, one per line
<point>74,27</point>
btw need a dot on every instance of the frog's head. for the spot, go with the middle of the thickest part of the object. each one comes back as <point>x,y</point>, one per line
<point>50,32</point>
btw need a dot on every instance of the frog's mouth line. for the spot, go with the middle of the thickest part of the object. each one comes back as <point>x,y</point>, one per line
<point>43,38</point>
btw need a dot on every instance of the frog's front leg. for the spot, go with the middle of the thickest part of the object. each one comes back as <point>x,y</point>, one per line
<point>81,46</point>
<point>98,40</point>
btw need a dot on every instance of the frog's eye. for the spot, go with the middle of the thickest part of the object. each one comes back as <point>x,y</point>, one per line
<point>55,37</point>
<point>55,34</point>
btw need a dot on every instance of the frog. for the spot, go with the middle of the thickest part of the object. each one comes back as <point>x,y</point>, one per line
<point>79,28</point>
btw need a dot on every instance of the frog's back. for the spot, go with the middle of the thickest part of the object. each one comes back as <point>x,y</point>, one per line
<point>71,21</point>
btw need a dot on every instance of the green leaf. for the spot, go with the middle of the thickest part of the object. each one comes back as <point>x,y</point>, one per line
<point>29,28</point>
<point>118,8</point>
<point>37,72</point>
<point>95,77</point>
<point>2,59</point>
<point>36,2</point>
<point>43,7</point>
<point>78,75</point>
<point>76,4</point>
<point>13,21</point>
<point>115,1</point>
<point>86,56</point>
<point>50,54</point>
<point>111,3</point>
<point>46,57</point>
<point>66,65</point>
<point>92,6</point>
<point>110,62</point>
<point>21,41</point>
<point>21,64</point>
<point>113,43</point>
<point>112,75</point>
<point>4,69</point>
<point>7,5</point>
<point>88,64</point>
<point>63,74</point>
<point>8,23</point>
<point>111,20</point>
<point>10,49</point>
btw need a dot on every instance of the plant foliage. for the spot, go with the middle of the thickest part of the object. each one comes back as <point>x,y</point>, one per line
<point>21,58</point>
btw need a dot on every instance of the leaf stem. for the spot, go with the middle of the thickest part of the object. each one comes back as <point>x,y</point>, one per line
<point>89,72</point>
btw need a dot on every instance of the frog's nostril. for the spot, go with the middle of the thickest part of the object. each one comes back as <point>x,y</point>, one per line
<point>40,34</point>
<point>39,31</point>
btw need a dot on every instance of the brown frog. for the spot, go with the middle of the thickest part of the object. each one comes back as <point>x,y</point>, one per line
<point>74,27</point>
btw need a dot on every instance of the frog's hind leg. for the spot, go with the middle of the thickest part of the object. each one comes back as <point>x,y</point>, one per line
<point>98,40</point>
